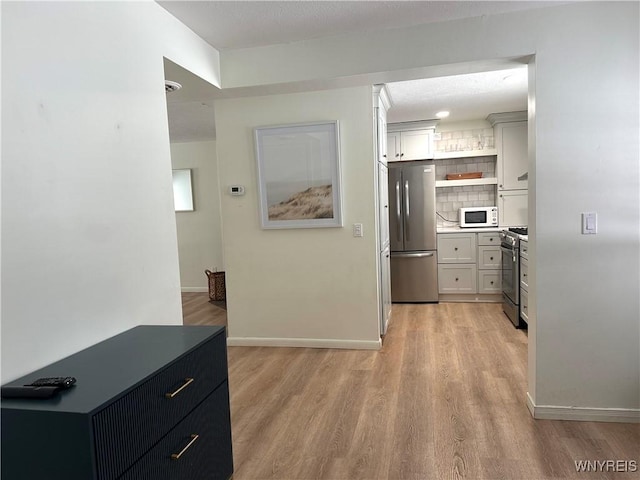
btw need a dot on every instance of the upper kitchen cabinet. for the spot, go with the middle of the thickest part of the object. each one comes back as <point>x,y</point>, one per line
<point>511,134</point>
<point>410,141</point>
<point>381,103</point>
<point>511,141</point>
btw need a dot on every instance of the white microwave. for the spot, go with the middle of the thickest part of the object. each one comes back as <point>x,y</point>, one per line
<point>479,217</point>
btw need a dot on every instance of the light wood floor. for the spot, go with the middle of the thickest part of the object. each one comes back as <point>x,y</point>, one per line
<point>443,399</point>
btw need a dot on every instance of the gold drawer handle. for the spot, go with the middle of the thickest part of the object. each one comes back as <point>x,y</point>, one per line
<point>187,382</point>
<point>194,437</point>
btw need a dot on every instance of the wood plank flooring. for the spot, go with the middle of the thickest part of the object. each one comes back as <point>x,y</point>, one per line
<point>443,399</point>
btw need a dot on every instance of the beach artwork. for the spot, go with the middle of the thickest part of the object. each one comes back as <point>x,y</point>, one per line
<point>299,175</point>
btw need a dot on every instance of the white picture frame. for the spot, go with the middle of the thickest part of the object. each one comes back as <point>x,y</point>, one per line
<point>299,175</point>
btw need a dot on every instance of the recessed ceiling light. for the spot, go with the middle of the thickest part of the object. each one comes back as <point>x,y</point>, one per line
<point>442,114</point>
<point>170,86</point>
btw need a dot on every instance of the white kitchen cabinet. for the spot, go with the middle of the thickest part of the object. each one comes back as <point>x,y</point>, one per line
<point>383,204</point>
<point>454,278</point>
<point>489,282</point>
<point>512,208</point>
<point>469,263</point>
<point>380,105</point>
<point>385,288</point>
<point>489,238</point>
<point>410,141</point>
<point>513,159</point>
<point>524,273</point>
<point>489,257</point>
<point>524,280</point>
<point>457,248</point>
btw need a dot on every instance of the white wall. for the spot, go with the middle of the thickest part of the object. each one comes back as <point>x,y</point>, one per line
<point>586,350</point>
<point>88,227</point>
<point>300,286</point>
<point>199,232</point>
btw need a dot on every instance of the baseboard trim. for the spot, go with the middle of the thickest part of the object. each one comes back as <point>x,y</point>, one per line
<point>194,289</point>
<point>304,343</point>
<point>583,414</point>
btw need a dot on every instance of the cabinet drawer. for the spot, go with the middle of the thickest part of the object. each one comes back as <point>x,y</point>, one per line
<point>146,414</point>
<point>489,281</point>
<point>457,248</point>
<point>524,305</point>
<point>489,258</point>
<point>524,249</point>
<point>457,278</point>
<point>524,273</point>
<point>208,456</point>
<point>489,238</point>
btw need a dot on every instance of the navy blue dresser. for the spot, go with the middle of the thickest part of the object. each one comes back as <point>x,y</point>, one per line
<point>149,404</point>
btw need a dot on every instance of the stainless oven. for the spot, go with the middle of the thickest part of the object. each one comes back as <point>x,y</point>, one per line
<point>510,247</point>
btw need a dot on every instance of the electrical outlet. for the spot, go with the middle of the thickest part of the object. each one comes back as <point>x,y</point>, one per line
<point>357,230</point>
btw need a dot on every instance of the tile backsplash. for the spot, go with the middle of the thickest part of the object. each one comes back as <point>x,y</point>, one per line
<point>449,200</point>
<point>464,140</point>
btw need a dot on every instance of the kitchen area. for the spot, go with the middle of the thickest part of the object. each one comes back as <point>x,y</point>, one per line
<point>456,203</point>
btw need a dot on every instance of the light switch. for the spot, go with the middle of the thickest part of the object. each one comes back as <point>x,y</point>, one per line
<point>589,223</point>
<point>357,230</point>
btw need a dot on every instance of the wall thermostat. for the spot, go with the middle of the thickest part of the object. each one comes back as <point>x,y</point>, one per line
<point>236,190</point>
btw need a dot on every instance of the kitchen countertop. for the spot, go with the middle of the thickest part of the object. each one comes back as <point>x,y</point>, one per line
<point>458,229</point>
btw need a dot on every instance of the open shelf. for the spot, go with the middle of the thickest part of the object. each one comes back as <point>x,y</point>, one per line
<point>464,183</point>
<point>465,154</point>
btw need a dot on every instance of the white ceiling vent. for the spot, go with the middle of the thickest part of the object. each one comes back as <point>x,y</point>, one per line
<point>170,86</point>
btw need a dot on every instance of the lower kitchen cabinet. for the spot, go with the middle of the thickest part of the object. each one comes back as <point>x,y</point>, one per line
<point>457,278</point>
<point>524,281</point>
<point>469,263</point>
<point>489,282</point>
<point>149,404</point>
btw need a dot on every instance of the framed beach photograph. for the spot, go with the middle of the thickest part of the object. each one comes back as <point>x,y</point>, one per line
<point>299,175</point>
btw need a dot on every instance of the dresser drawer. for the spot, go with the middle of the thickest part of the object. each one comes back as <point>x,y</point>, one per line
<point>146,413</point>
<point>207,456</point>
<point>457,279</point>
<point>487,238</point>
<point>489,258</point>
<point>489,281</point>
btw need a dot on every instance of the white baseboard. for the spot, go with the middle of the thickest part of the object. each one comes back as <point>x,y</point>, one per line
<point>585,414</point>
<point>195,289</point>
<point>304,343</point>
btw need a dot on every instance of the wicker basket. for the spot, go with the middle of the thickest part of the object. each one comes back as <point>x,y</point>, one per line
<point>217,286</point>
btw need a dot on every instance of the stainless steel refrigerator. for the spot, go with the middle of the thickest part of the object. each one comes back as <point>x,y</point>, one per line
<point>412,231</point>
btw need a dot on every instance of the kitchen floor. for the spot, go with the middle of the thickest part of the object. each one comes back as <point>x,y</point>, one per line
<point>444,398</point>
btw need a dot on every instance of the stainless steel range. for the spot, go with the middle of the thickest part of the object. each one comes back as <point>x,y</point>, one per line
<point>510,246</point>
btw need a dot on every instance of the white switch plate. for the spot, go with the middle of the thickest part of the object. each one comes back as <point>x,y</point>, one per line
<point>357,230</point>
<point>589,223</point>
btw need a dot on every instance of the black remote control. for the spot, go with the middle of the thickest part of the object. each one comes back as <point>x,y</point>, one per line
<point>27,391</point>
<point>58,382</point>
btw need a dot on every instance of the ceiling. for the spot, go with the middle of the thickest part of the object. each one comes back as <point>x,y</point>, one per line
<point>241,24</point>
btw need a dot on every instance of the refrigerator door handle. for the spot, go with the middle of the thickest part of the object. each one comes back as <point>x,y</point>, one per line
<point>413,255</point>
<point>398,208</point>
<point>407,233</point>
